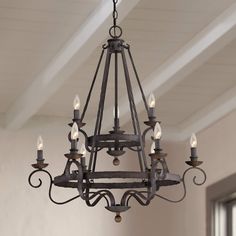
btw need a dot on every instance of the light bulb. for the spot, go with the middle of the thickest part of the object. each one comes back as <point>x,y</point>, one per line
<point>152,148</point>
<point>118,112</point>
<point>157,131</point>
<point>40,143</point>
<point>193,141</point>
<point>74,131</point>
<point>151,101</point>
<point>76,103</point>
<point>83,150</point>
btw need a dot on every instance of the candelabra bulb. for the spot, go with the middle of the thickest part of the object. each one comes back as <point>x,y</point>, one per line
<point>157,131</point>
<point>76,103</point>
<point>151,101</point>
<point>193,141</point>
<point>74,131</point>
<point>116,161</point>
<point>152,148</point>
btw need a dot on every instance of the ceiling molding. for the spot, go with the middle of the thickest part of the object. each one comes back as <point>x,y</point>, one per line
<point>197,51</point>
<point>68,59</point>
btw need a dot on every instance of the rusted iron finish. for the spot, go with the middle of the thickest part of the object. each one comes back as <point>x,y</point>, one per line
<point>93,185</point>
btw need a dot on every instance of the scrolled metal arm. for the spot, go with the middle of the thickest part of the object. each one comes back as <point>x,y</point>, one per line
<point>175,201</point>
<point>195,177</point>
<point>184,184</point>
<point>145,133</point>
<point>50,187</point>
<point>40,181</point>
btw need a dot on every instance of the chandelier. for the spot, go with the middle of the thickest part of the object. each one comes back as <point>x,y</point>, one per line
<point>80,171</point>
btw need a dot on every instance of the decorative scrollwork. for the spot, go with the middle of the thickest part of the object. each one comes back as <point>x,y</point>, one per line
<point>137,195</point>
<point>40,181</point>
<point>135,149</point>
<point>50,187</point>
<point>175,201</point>
<point>195,177</point>
<point>184,184</point>
<point>107,195</point>
<point>145,133</point>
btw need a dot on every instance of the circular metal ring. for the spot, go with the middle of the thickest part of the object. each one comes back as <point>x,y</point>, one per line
<point>115,31</point>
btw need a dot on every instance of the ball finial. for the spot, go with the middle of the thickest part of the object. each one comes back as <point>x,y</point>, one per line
<point>118,218</point>
<point>116,162</point>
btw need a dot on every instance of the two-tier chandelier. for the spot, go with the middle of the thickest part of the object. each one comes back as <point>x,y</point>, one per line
<point>153,173</point>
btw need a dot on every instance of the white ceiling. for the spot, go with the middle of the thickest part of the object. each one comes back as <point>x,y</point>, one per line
<point>184,50</point>
<point>32,32</point>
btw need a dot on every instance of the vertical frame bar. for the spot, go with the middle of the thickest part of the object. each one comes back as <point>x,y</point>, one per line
<point>131,99</point>
<point>100,109</point>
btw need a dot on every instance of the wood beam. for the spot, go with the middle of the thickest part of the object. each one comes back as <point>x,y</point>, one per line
<point>219,108</point>
<point>68,59</point>
<point>196,52</point>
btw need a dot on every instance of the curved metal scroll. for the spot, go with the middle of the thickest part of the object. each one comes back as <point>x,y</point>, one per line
<point>101,194</point>
<point>138,196</point>
<point>143,200</point>
<point>50,187</point>
<point>184,184</point>
<point>145,133</point>
<point>107,195</point>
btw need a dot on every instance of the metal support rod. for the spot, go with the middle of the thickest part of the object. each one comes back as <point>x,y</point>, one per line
<point>138,80</point>
<point>95,159</point>
<point>134,123</point>
<point>100,107</point>
<point>116,92</point>
<point>131,98</point>
<point>106,72</point>
<point>91,87</point>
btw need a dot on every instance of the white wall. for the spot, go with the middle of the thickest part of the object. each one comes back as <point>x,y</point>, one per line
<point>25,211</point>
<point>217,148</point>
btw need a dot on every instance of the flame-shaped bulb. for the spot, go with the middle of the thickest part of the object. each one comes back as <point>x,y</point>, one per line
<point>83,150</point>
<point>152,148</point>
<point>151,101</point>
<point>157,131</point>
<point>193,141</point>
<point>76,103</point>
<point>74,131</point>
<point>40,143</point>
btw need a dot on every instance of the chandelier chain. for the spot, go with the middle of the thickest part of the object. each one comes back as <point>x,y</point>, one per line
<point>115,31</point>
<point>115,12</point>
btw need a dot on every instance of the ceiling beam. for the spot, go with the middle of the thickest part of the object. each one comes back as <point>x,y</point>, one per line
<point>197,51</point>
<point>68,59</point>
<point>219,108</point>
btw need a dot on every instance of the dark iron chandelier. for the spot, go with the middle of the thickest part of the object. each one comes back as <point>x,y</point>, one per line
<point>90,183</point>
